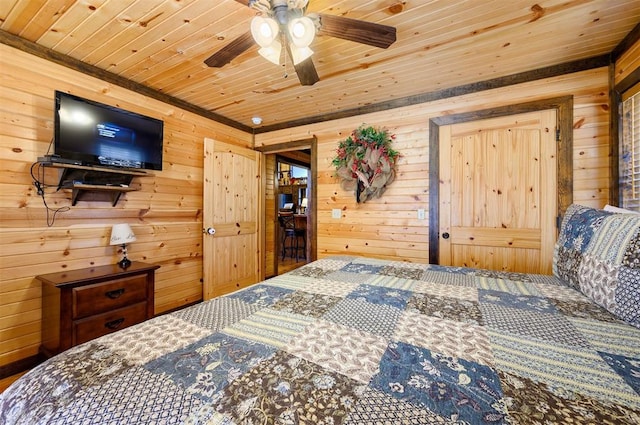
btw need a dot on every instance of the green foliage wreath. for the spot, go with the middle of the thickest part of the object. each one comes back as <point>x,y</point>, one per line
<point>365,162</point>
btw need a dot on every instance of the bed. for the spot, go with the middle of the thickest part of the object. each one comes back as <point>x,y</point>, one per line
<point>352,340</point>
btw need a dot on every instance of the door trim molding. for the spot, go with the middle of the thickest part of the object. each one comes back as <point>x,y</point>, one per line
<point>564,110</point>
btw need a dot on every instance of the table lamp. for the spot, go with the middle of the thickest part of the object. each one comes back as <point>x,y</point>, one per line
<point>121,234</point>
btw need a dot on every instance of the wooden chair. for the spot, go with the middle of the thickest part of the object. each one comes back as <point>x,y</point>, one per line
<point>300,232</point>
<point>286,221</point>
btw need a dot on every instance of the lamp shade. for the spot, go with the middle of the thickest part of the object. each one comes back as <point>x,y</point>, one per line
<point>304,203</point>
<point>272,52</point>
<point>299,54</point>
<point>301,31</point>
<point>121,234</point>
<point>264,30</point>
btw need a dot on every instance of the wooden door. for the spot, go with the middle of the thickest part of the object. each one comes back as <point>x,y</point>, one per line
<point>232,205</point>
<point>498,196</point>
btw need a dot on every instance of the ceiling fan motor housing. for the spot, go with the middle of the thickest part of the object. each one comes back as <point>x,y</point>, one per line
<point>280,11</point>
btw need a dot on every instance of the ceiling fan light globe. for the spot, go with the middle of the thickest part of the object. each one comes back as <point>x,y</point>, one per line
<point>299,54</point>
<point>272,52</point>
<point>302,31</point>
<point>264,30</point>
<point>297,29</point>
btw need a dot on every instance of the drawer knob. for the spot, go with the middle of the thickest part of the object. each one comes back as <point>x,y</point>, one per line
<point>115,293</point>
<point>114,324</point>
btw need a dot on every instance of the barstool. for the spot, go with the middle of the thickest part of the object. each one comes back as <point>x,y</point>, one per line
<point>288,233</point>
<point>300,232</point>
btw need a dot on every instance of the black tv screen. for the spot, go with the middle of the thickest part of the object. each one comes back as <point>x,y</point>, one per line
<point>95,134</point>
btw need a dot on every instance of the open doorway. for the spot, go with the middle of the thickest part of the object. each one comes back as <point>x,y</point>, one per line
<point>301,153</point>
<point>291,202</point>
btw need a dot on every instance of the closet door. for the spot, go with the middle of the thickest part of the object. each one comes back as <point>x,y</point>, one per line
<point>498,193</point>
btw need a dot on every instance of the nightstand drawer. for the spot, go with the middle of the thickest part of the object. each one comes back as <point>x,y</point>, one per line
<point>102,324</point>
<point>107,296</point>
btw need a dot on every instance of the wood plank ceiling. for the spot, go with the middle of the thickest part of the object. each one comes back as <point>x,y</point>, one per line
<point>161,44</point>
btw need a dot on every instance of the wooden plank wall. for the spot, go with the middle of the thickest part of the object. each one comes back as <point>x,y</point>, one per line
<point>389,227</point>
<point>166,215</point>
<point>628,62</point>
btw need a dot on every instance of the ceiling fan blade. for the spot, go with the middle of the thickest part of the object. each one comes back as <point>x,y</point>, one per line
<point>307,73</point>
<point>306,70</point>
<point>230,51</point>
<point>364,32</point>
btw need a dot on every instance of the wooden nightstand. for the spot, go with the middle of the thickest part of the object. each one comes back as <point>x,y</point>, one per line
<point>80,305</point>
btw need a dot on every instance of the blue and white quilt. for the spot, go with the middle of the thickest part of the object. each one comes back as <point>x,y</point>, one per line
<point>348,340</point>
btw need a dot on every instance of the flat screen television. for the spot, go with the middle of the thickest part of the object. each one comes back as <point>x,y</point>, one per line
<point>94,134</point>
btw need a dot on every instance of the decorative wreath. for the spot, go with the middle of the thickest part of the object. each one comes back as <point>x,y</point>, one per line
<point>365,162</point>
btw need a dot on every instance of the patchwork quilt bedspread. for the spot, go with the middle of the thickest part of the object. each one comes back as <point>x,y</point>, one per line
<point>348,340</point>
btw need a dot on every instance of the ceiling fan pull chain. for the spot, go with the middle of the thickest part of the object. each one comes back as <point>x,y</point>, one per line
<point>286,74</point>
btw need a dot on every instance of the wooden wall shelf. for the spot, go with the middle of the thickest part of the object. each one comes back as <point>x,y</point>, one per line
<point>85,181</point>
<point>79,189</point>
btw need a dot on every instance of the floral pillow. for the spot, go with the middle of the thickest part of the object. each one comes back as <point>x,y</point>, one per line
<point>598,252</point>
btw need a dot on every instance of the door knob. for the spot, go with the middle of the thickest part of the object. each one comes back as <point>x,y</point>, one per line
<point>445,235</point>
<point>209,231</point>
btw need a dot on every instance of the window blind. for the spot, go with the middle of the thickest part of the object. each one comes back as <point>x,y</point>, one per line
<point>629,160</point>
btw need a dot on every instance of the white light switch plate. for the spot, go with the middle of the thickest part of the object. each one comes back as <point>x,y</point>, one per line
<point>421,214</point>
<point>336,213</point>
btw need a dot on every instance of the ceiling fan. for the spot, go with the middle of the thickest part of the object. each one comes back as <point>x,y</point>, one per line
<point>285,23</point>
